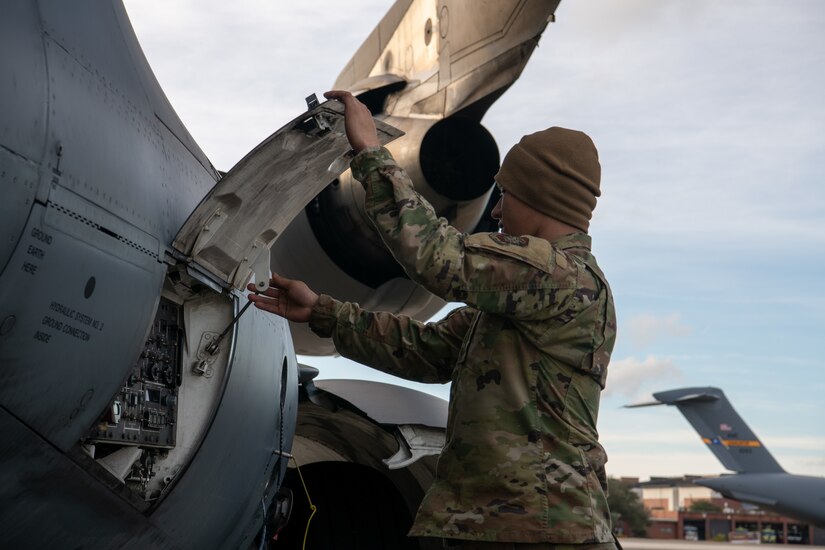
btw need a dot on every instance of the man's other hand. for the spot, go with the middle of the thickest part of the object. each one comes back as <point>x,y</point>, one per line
<point>360,127</point>
<point>288,298</point>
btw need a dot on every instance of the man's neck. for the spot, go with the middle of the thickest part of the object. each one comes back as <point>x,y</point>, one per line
<point>552,229</point>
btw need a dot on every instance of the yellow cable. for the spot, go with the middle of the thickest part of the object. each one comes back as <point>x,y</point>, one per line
<point>312,507</point>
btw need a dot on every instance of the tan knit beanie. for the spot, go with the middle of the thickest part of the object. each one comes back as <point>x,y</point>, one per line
<point>557,172</point>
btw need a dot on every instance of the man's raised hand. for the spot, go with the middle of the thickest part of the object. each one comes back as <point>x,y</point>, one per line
<point>288,298</point>
<point>360,127</point>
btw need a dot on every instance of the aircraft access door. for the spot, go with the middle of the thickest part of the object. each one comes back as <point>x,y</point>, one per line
<point>229,234</point>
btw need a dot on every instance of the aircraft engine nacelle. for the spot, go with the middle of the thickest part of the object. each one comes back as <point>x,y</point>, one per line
<point>334,248</point>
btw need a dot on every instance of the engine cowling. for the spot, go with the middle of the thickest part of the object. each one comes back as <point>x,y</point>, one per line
<point>333,247</point>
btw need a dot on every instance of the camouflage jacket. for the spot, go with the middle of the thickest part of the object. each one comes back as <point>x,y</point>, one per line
<point>527,359</point>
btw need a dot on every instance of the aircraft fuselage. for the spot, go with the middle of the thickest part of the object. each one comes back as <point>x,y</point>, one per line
<point>107,431</point>
<point>790,494</point>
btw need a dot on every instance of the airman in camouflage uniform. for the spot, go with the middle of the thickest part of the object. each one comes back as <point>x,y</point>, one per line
<point>526,358</point>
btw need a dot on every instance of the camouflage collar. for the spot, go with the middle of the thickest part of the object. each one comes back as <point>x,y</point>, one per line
<point>576,240</point>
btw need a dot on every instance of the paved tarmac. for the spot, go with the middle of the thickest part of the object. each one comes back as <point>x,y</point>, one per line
<point>656,544</point>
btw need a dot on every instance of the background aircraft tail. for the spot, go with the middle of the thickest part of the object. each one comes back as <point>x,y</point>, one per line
<point>721,428</point>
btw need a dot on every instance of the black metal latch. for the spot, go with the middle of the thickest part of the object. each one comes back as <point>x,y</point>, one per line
<point>317,124</point>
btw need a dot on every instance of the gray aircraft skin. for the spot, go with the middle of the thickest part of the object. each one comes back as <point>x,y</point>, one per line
<point>140,406</point>
<point>759,479</point>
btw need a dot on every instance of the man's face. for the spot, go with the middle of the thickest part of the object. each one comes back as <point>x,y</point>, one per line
<point>514,216</point>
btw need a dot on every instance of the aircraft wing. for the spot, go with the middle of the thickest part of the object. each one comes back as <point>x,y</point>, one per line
<point>450,55</point>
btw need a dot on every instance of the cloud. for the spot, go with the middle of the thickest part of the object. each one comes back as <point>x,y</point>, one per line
<point>235,72</point>
<point>626,377</point>
<point>814,467</point>
<point>680,436</point>
<point>795,443</point>
<point>646,329</point>
<point>695,139</point>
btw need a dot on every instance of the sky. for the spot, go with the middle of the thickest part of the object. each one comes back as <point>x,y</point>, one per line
<point>710,125</point>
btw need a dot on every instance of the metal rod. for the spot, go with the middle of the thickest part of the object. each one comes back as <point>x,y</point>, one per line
<point>213,347</point>
<point>235,320</point>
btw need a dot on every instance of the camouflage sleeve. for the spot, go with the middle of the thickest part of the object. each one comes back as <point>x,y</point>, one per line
<point>495,273</point>
<point>395,344</point>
